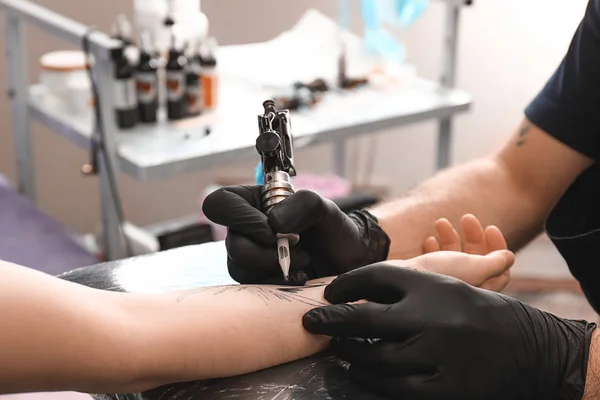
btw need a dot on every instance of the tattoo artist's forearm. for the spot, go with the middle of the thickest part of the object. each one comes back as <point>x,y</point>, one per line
<point>592,382</point>
<point>481,187</point>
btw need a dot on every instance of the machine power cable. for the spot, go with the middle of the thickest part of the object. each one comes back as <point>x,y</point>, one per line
<point>98,145</point>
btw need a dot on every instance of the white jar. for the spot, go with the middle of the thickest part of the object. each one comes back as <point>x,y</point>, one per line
<point>65,77</point>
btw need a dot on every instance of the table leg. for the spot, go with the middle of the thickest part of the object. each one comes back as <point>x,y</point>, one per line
<point>18,92</point>
<point>112,218</point>
<point>112,235</point>
<point>444,143</point>
<point>340,153</point>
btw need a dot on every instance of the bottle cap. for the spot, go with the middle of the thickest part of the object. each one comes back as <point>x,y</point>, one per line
<point>177,39</point>
<point>169,21</point>
<point>192,49</point>
<point>146,43</point>
<point>207,53</point>
<point>117,53</point>
<point>123,30</point>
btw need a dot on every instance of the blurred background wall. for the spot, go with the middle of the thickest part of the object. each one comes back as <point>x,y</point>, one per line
<point>507,50</point>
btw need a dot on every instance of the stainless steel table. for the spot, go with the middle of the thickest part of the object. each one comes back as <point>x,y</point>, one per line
<point>319,377</point>
<point>169,149</point>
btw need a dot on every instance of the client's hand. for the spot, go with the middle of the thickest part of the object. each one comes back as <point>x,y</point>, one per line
<point>476,240</point>
<point>486,271</point>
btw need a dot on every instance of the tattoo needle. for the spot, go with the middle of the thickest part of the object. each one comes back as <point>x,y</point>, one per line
<point>283,250</point>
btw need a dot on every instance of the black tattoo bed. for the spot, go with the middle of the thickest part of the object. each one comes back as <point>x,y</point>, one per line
<point>318,377</point>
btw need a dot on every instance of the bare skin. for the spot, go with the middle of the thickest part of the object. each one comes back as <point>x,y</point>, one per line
<point>592,382</point>
<point>477,240</point>
<point>513,189</point>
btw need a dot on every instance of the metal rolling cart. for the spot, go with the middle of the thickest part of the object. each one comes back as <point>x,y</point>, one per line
<point>164,150</point>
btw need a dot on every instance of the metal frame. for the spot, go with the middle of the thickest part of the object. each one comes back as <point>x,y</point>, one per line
<point>17,81</point>
<point>18,13</point>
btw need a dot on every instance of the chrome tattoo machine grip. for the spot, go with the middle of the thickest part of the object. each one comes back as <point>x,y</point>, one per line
<point>275,146</point>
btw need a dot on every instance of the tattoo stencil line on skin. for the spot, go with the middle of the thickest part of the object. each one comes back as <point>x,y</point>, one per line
<point>296,289</point>
<point>288,294</point>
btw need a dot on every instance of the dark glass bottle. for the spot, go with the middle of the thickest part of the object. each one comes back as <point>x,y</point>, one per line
<point>193,85</point>
<point>147,83</point>
<point>175,82</point>
<point>208,77</point>
<point>124,92</point>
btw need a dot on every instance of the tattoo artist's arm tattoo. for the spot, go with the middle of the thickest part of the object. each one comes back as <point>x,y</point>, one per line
<point>522,134</point>
<point>265,293</point>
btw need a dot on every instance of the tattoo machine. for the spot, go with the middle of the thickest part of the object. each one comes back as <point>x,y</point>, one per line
<point>274,144</point>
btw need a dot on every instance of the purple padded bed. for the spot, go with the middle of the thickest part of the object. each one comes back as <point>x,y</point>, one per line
<point>33,239</point>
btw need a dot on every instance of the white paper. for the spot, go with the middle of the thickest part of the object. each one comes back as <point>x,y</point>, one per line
<point>178,269</point>
<point>308,51</point>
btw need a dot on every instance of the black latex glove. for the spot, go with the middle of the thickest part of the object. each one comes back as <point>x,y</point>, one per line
<point>331,242</point>
<point>428,336</point>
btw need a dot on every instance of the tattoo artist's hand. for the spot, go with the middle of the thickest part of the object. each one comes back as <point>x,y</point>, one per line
<point>428,336</point>
<point>331,242</point>
<point>476,240</point>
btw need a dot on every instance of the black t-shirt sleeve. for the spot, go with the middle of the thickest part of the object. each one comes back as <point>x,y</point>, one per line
<point>568,107</point>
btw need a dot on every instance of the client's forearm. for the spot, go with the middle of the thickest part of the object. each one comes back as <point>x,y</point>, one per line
<point>229,330</point>
<point>58,335</point>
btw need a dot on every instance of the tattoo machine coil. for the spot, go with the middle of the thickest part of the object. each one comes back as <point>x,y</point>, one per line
<point>275,146</point>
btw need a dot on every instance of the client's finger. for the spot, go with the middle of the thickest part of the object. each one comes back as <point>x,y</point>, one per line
<point>474,237</point>
<point>494,239</point>
<point>431,245</point>
<point>483,268</point>
<point>497,284</point>
<point>449,238</point>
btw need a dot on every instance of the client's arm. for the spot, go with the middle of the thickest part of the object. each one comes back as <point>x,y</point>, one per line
<point>57,335</point>
<point>228,330</point>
